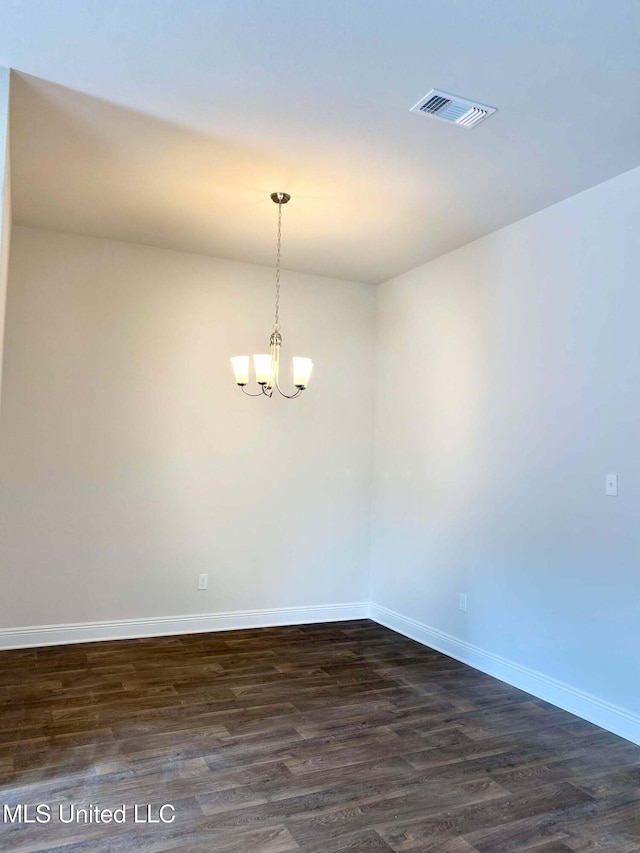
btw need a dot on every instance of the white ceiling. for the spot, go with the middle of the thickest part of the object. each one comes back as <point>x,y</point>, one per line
<point>169,122</point>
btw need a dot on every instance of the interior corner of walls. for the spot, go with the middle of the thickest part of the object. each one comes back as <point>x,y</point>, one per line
<point>598,711</point>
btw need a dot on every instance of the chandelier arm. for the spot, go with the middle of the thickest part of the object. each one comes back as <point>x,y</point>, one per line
<point>289,396</point>
<point>249,394</point>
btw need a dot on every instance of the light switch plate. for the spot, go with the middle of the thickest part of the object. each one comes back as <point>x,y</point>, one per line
<point>611,486</point>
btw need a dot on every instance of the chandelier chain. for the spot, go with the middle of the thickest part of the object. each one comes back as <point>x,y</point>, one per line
<point>276,325</point>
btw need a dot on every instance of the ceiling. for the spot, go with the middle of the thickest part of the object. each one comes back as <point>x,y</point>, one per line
<point>169,122</point>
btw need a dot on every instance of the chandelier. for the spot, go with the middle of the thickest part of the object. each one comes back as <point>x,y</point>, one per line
<point>267,367</point>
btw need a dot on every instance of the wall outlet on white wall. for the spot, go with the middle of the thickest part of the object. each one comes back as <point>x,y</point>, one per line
<point>203,581</point>
<point>611,485</point>
<point>462,604</point>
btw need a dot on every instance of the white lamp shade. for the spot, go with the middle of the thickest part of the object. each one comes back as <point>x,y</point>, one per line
<point>301,371</point>
<point>262,364</point>
<point>241,369</point>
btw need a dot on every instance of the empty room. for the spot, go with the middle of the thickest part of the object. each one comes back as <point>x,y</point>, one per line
<point>319,426</point>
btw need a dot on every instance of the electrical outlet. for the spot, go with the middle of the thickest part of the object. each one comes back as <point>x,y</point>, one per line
<point>203,581</point>
<point>463,602</point>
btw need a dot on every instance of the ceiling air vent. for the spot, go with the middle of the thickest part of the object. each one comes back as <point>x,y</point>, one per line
<point>451,108</point>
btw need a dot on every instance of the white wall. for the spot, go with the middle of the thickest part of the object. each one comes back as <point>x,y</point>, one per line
<point>130,460</point>
<point>509,378</point>
<point>5,206</point>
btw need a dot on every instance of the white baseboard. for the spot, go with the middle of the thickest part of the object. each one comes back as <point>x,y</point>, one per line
<point>121,629</point>
<point>604,714</point>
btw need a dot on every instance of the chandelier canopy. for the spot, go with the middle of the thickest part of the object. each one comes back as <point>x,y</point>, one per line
<point>267,366</point>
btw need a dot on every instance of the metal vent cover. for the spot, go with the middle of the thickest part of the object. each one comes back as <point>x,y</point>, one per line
<point>452,108</point>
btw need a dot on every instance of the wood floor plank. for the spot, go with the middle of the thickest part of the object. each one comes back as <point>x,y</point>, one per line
<point>316,738</point>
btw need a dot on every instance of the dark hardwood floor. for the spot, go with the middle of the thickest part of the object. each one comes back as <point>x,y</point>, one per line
<point>319,738</point>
